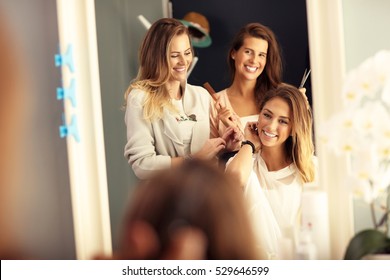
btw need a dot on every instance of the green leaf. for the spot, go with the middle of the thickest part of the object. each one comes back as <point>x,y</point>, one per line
<point>366,242</point>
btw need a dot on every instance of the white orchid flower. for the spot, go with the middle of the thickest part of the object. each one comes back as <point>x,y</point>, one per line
<point>351,92</point>
<point>370,118</point>
<point>368,79</point>
<point>338,133</point>
<point>382,66</point>
<point>385,94</point>
<point>362,130</point>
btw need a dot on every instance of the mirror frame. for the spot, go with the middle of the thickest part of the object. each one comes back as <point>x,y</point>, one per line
<point>327,56</point>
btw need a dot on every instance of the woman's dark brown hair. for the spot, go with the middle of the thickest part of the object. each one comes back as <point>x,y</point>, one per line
<point>272,74</point>
<point>199,195</point>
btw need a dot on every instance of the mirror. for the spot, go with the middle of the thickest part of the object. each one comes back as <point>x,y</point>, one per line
<point>118,36</point>
<point>119,33</point>
<point>336,45</point>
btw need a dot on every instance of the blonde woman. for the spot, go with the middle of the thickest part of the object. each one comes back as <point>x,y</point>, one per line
<point>283,161</point>
<point>167,119</point>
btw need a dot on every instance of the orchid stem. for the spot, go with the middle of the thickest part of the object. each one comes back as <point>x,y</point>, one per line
<point>372,207</point>
<point>387,211</point>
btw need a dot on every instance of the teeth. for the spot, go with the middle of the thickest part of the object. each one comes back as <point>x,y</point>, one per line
<point>181,69</point>
<point>269,134</point>
<point>251,69</point>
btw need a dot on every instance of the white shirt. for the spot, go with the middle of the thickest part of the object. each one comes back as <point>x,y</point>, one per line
<point>252,118</point>
<point>186,125</point>
<point>152,144</point>
<point>273,199</point>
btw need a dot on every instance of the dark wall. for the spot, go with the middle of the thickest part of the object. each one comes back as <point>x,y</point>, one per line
<point>285,17</point>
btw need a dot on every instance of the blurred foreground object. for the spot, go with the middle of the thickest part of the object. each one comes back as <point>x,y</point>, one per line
<point>13,110</point>
<point>193,211</point>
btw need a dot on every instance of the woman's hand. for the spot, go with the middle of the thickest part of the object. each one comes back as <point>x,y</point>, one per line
<point>252,134</point>
<point>303,91</point>
<point>233,137</point>
<point>211,148</point>
<point>228,117</point>
<point>241,165</point>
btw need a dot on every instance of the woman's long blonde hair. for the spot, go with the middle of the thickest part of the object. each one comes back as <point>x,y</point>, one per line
<point>299,146</point>
<point>154,66</point>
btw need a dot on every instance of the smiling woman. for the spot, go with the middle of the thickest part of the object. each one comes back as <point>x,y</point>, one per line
<point>167,119</point>
<point>255,65</point>
<point>273,178</point>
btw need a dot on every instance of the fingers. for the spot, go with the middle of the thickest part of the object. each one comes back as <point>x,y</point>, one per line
<point>219,142</point>
<point>229,131</point>
<point>238,135</point>
<point>217,103</point>
<point>232,134</point>
<point>216,98</point>
<point>218,150</point>
<point>228,118</point>
<point>254,128</point>
<point>251,131</point>
<point>303,91</point>
<point>223,111</point>
<point>216,146</point>
<point>211,148</point>
<point>251,127</point>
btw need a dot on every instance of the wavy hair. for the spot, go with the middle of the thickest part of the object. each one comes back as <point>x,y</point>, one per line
<point>272,74</point>
<point>154,66</point>
<point>299,146</point>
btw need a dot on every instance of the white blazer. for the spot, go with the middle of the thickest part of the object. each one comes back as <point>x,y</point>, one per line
<point>151,145</point>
